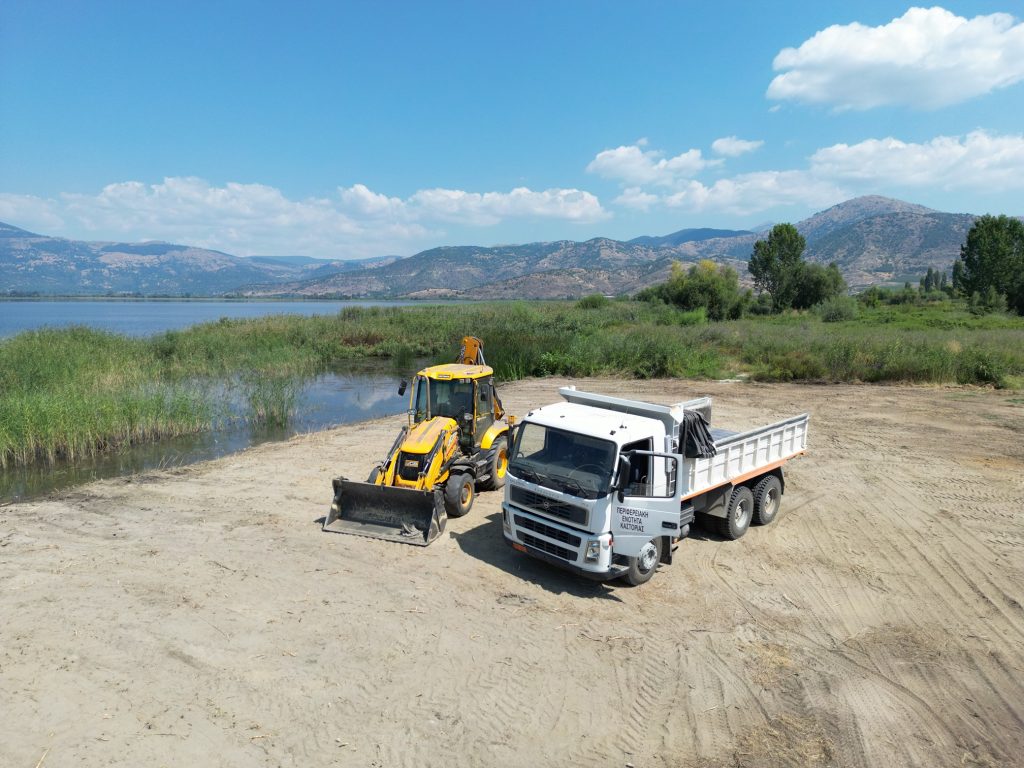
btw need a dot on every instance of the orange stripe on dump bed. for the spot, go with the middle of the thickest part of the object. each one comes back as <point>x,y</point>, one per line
<point>739,479</point>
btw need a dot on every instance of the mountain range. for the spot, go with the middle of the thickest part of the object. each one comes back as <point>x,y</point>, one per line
<point>873,240</point>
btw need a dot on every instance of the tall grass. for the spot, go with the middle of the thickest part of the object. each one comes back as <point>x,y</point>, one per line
<point>66,393</point>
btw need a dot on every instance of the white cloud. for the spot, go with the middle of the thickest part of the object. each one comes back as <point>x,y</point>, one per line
<point>927,58</point>
<point>753,192</point>
<point>637,199</point>
<point>492,207</point>
<point>730,146</point>
<point>978,161</point>
<point>246,219</point>
<point>633,165</point>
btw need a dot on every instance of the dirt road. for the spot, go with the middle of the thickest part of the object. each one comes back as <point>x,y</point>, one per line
<point>200,617</point>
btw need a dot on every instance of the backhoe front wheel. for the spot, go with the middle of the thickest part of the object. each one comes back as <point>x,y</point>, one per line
<point>498,467</point>
<point>458,494</point>
<point>642,567</point>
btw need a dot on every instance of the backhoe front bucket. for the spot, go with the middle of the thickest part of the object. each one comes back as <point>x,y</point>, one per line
<point>386,512</point>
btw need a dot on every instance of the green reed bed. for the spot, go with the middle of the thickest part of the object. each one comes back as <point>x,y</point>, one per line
<point>66,393</point>
<point>73,392</point>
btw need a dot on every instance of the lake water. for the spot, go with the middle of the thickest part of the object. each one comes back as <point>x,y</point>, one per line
<point>365,390</point>
<point>142,317</point>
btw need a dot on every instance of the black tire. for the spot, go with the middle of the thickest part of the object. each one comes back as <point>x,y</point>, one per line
<point>459,493</point>
<point>767,498</point>
<point>497,467</point>
<point>738,513</point>
<point>642,567</point>
<point>374,474</point>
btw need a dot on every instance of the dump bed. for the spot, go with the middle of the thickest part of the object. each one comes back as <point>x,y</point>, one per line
<point>743,455</point>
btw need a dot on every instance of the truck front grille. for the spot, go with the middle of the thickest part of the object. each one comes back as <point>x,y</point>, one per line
<point>545,505</point>
<point>546,546</point>
<point>546,530</point>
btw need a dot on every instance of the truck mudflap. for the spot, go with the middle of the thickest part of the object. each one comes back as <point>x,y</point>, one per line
<point>405,515</point>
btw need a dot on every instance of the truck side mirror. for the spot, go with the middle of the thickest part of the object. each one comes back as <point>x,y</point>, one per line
<point>402,386</point>
<point>622,478</point>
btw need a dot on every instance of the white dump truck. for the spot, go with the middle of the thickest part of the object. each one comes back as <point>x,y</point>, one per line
<point>606,487</point>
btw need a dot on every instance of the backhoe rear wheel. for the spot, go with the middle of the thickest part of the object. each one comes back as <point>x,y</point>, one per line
<point>459,494</point>
<point>498,466</point>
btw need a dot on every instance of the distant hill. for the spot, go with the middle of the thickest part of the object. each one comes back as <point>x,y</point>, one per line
<point>686,236</point>
<point>873,239</point>
<point>33,263</point>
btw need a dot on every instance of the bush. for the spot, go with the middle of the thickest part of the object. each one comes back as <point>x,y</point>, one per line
<point>593,301</point>
<point>708,286</point>
<point>837,309</point>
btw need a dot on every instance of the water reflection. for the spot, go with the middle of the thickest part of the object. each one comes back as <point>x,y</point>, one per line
<point>363,392</point>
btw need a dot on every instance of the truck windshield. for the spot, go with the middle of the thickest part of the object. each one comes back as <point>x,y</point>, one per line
<point>452,398</point>
<point>564,461</point>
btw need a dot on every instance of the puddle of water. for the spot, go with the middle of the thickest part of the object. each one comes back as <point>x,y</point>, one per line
<point>365,392</point>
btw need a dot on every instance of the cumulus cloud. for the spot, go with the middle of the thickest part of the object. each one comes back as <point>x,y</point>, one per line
<point>636,166</point>
<point>637,199</point>
<point>754,192</point>
<point>979,160</point>
<point>492,207</point>
<point>247,219</point>
<point>927,58</point>
<point>730,146</point>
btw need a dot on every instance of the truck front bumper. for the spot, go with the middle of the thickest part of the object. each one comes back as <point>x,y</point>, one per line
<point>613,572</point>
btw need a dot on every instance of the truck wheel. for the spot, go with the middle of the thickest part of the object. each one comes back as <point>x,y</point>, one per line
<point>643,566</point>
<point>458,494</point>
<point>738,513</point>
<point>498,466</point>
<point>767,497</point>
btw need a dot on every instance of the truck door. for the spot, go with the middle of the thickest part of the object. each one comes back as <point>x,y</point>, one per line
<point>651,509</point>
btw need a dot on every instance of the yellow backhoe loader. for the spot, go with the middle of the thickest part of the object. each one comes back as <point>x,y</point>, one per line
<point>456,442</point>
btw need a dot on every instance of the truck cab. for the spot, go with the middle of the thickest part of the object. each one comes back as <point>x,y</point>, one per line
<point>593,490</point>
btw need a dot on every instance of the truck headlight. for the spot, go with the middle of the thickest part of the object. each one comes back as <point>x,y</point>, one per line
<point>593,549</point>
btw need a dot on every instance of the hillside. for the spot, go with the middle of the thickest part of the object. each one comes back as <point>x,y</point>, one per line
<point>30,262</point>
<point>873,239</point>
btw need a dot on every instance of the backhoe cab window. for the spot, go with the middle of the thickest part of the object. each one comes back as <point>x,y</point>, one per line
<point>562,460</point>
<point>443,398</point>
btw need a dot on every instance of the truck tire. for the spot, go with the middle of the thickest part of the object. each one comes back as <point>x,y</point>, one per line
<point>738,513</point>
<point>642,567</point>
<point>767,497</point>
<point>459,493</point>
<point>497,467</point>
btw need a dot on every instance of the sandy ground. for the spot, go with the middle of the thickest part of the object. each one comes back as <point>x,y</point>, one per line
<point>200,617</point>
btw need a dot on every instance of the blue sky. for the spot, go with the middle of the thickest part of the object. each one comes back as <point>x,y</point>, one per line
<point>345,129</point>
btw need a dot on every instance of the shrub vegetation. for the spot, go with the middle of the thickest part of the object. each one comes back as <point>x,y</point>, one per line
<point>65,393</point>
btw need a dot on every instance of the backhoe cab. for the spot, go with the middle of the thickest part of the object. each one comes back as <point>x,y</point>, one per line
<point>456,442</point>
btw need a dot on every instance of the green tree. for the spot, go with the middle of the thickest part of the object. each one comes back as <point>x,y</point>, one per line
<point>993,258</point>
<point>713,287</point>
<point>815,284</point>
<point>775,264</point>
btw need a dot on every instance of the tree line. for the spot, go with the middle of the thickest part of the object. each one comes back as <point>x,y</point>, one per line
<point>782,278</point>
<point>989,274</point>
